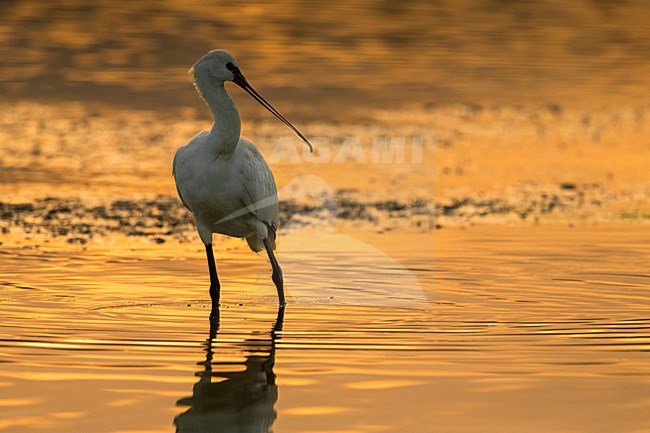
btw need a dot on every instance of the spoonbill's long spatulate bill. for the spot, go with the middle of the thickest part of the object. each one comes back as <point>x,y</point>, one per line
<point>241,81</point>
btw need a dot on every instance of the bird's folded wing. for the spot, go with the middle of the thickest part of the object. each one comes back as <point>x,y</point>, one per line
<point>260,193</point>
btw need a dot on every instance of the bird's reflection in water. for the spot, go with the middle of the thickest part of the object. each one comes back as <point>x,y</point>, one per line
<point>234,401</point>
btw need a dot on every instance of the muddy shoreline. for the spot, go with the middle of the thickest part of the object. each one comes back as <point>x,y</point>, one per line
<point>163,217</point>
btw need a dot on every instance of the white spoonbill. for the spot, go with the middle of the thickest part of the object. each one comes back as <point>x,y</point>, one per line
<point>222,178</point>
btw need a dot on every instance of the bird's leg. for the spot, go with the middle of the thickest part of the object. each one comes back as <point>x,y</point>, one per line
<point>214,328</point>
<point>277,273</point>
<point>270,362</point>
<point>277,327</point>
<point>215,287</point>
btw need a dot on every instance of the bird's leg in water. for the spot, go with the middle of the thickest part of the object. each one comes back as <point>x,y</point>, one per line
<point>277,273</point>
<point>267,366</point>
<point>215,287</point>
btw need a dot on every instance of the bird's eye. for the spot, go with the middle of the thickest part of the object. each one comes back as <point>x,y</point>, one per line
<point>230,66</point>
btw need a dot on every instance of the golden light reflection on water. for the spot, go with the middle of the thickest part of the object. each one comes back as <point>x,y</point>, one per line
<point>317,410</point>
<point>18,402</point>
<point>356,53</point>
<point>517,326</point>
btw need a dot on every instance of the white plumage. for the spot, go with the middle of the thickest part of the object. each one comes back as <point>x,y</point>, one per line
<point>218,189</point>
<point>223,178</point>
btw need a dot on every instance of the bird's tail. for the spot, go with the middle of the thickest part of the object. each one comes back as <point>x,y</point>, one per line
<point>256,244</point>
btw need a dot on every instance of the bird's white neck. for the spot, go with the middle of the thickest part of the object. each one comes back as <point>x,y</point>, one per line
<point>226,128</point>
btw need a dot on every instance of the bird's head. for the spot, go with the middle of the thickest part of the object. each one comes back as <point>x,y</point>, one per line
<point>216,65</point>
<point>219,66</point>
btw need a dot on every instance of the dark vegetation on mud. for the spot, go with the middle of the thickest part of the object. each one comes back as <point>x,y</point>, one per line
<point>164,217</point>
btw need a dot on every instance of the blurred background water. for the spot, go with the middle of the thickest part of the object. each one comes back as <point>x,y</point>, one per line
<point>362,53</point>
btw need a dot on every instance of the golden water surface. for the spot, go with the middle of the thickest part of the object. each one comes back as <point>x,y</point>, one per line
<point>484,329</point>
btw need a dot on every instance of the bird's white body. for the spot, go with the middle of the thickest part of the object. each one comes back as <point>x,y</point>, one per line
<point>223,179</point>
<point>217,189</point>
